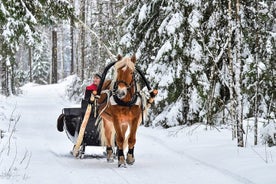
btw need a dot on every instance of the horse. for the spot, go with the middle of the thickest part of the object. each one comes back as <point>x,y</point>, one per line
<point>121,109</point>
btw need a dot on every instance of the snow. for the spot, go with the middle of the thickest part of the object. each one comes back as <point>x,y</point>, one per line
<point>261,67</point>
<point>174,23</point>
<point>196,50</point>
<point>170,24</point>
<point>195,101</point>
<point>143,13</point>
<point>166,47</point>
<point>194,19</point>
<point>37,153</point>
<point>169,114</point>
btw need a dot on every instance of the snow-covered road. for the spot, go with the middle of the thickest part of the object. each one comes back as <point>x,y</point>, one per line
<point>160,158</point>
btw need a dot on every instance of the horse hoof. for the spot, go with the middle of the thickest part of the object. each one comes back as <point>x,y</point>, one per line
<point>121,162</point>
<point>110,156</point>
<point>81,156</point>
<point>122,165</point>
<point>110,160</point>
<point>130,159</point>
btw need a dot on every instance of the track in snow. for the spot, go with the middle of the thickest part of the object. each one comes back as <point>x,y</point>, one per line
<point>225,172</point>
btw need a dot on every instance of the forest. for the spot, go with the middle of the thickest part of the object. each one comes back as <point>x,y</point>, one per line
<point>213,62</point>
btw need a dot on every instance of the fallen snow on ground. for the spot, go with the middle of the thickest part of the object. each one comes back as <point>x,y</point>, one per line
<point>33,151</point>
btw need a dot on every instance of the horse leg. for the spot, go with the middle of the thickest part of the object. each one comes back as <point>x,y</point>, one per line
<point>131,142</point>
<point>120,138</point>
<point>108,133</point>
<point>130,156</point>
<point>109,154</point>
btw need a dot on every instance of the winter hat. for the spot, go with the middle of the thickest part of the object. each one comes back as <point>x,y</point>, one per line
<point>97,75</point>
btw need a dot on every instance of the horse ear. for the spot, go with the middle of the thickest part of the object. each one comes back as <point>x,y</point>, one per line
<point>133,58</point>
<point>119,57</point>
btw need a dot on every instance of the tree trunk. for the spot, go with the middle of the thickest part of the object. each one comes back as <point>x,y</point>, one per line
<point>72,46</point>
<point>12,80</point>
<point>100,28</point>
<point>30,64</point>
<point>6,79</point>
<point>62,55</point>
<point>3,78</point>
<point>54,57</point>
<point>256,99</point>
<point>238,79</point>
<point>211,97</point>
<point>82,40</point>
<point>231,72</point>
<point>72,42</point>
<point>2,71</point>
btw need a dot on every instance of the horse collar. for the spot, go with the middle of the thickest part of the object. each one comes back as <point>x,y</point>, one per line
<point>127,104</point>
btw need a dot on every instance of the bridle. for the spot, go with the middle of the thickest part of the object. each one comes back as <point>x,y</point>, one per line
<point>128,86</point>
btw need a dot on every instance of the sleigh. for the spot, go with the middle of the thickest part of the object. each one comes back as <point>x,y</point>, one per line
<point>70,121</point>
<point>81,124</point>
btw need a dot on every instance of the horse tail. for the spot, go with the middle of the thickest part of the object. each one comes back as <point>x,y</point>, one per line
<point>144,108</point>
<point>101,131</point>
<point>107,133</point>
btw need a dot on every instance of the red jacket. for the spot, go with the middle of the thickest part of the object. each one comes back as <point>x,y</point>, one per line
<point>92,87</point>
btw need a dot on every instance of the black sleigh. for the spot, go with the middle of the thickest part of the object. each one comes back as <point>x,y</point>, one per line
<point>70,121</point>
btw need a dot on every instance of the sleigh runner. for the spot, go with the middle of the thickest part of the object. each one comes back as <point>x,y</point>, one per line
<point>117,99</point>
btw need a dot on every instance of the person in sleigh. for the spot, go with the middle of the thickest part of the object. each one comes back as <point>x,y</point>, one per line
<point>89,89</point>
<point>93,87</point>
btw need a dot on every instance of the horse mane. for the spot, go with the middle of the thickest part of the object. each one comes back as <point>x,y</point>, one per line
<point>125,62</point>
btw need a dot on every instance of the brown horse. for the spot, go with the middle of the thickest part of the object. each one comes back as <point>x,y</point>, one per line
<point>121,109</point>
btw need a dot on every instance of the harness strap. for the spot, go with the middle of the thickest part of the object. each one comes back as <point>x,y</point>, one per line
<point>143,77</point>
<point>108,94</point>
<point>103,77</point>
<point>128,104</point>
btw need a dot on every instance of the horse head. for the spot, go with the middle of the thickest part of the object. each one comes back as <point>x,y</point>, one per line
<point>124,77</point>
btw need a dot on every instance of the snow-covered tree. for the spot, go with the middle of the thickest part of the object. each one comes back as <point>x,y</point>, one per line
<point>153,31</point>
<point>41,62</point>
<point>259,37</point>
<point>197,53</point>
<point>176,42</point>
<point>19,20</point>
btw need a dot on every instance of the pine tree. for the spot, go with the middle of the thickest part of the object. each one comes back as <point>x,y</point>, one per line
<point>258,22</point>
<point>19,19</point>
<point>41,62</point>
<point>207,52</point>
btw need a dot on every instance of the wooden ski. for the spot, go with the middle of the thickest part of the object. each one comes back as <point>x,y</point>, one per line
<point>76,148</point>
